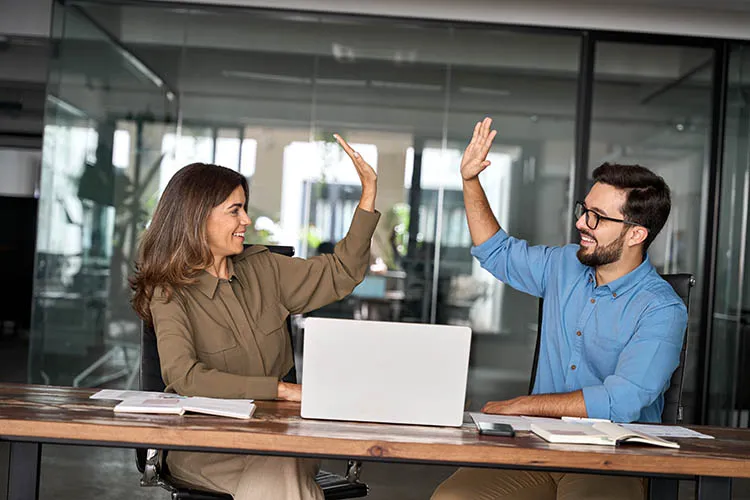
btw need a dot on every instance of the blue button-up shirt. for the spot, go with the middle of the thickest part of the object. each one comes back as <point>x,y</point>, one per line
<point>618,342</point>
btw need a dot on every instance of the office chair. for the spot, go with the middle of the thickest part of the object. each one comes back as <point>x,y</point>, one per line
<point>673,411</point>
<point>152,462</point>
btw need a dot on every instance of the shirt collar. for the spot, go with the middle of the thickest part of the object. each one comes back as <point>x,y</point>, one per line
<point>623,284</point>
<point>208,283</point>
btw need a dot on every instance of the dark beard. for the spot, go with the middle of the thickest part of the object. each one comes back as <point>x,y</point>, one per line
<point>605,255</point>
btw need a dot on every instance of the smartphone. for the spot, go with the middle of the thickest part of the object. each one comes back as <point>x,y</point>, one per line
<point>494,429</point>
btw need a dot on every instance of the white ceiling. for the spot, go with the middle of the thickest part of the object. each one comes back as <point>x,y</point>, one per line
<point>707,18</point>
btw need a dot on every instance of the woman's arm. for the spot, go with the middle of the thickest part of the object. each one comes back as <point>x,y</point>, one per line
<point>309,284</point>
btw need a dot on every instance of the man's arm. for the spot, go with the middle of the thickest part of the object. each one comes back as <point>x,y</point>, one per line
<point>482,222</point>
<point>568,404</point>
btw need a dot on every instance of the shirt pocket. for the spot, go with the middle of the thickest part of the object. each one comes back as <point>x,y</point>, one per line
<point>272,321</point>
<point>215,340</point>
<point>608,340</point>
<point>272,336</point>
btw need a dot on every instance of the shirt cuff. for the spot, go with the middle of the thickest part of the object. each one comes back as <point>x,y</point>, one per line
<point>596,398</point>
<point>364,222</point>
<point>483,250</point>
<point>262,388</point>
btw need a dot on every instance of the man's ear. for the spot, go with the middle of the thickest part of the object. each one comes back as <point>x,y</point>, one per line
<point>638,235</point>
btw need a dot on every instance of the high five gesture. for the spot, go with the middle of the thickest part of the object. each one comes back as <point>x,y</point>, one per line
<point>482,222</point>
<point>367,176</point>
<point>475,160</point>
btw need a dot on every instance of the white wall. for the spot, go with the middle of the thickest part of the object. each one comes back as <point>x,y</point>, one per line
<point>714,18</point>
<point>19,172</point>
<point>25,17</point>
<point>711,18</point>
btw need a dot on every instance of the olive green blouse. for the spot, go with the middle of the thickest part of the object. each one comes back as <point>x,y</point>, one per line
<point>228,338</point>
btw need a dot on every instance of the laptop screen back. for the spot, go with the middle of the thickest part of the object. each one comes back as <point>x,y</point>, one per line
<point>376,371</point>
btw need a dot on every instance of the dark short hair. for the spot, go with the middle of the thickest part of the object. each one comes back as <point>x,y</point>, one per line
<point>648,199</point>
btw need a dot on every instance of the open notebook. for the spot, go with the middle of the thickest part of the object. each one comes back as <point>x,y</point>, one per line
<point>602,433</point>
<point>171,404</point>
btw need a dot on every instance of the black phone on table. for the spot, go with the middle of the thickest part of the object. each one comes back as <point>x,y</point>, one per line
<point>495,429</point>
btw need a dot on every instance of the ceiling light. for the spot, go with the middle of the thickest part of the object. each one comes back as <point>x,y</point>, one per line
<point>483,91</point>
<point>406,85</point>
<point>267,77</point>
<point>338,82</point>
<point>66,106</point>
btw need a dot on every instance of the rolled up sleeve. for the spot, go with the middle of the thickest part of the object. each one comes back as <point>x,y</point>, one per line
<point>515,263</point>
<point>644,367</point>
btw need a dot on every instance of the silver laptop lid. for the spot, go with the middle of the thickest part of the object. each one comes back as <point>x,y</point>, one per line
<point>374,371</point>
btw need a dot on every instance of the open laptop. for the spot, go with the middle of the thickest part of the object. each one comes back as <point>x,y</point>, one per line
<point>375,371</point>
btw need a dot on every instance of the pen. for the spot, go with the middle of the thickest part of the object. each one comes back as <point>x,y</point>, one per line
<point>584,420</point>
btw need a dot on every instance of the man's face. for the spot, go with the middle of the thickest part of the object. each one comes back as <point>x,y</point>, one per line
<point>604,244</point>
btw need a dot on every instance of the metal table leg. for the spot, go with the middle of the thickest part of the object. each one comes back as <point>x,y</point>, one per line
<point>713,488</point>
<point>660,488</point>
<point>22,480</point>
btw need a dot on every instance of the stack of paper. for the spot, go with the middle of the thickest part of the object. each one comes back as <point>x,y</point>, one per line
<point>523,423</point>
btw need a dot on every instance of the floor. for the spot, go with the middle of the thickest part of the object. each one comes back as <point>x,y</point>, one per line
<point>83,473</point>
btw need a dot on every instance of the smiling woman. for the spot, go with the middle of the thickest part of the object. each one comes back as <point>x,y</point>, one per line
<point>171,253</point>
<point>219,311</point>
<point>225,230</point>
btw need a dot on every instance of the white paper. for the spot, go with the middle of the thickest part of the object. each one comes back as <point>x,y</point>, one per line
<point>120,395</point>
<point>670,431</point>
<point>151,404</point>
<point>234,408</point>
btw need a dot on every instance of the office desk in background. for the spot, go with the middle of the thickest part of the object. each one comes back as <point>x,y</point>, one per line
<point>33,415</point>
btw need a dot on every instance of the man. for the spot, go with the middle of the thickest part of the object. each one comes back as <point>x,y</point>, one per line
<point>612,328</point>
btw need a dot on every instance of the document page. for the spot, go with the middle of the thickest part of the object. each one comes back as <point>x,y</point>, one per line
<point>669,431</point>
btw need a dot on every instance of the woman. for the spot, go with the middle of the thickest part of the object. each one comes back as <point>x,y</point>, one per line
<point>219,312</point>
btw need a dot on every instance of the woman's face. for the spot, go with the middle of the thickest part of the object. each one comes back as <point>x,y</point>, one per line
<point>226,225</point>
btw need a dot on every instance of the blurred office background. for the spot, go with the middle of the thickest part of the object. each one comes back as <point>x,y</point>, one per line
<point>102,108</point>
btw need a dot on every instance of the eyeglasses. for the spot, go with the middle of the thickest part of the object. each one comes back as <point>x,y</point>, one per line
<point>593,218</point>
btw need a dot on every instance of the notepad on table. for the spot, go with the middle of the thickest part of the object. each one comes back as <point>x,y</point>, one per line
<point>177,405</point>
<point>600,433</point>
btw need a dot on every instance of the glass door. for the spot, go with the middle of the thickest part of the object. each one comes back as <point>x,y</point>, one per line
<point>96,187</point>
<point>728,397</point>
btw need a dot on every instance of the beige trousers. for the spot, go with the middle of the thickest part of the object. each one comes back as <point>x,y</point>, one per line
<point>494,484</point>
<point>247,477</point>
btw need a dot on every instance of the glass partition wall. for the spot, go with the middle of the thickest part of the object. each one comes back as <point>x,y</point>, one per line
<point>652,106</point>
<point>729,356</point>
<point>98,179</point>
<point>137,92</point>
<point>165,87</point>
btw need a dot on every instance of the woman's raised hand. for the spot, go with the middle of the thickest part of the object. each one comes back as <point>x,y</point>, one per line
<point>367,176</point>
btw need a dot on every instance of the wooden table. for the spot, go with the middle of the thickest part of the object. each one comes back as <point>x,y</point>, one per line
<point>31,415</point>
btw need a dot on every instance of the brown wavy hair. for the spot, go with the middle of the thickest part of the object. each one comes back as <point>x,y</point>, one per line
<point>174,248</point>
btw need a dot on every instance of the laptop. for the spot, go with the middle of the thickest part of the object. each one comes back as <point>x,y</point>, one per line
<point>375,371</point>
